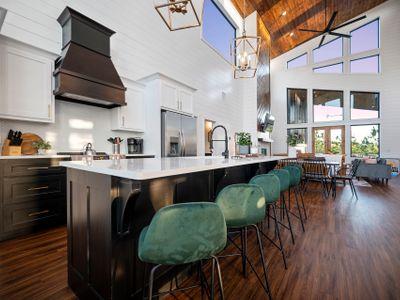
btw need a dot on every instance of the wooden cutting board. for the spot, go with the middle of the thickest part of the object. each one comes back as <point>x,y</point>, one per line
<point>27,140</point>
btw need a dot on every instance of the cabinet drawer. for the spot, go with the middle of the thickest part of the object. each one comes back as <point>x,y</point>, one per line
<point>33,188</point>
<point>28,167</point>
<point>35,214</point>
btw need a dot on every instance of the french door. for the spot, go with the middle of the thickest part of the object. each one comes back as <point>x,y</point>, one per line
<point>329,140</point>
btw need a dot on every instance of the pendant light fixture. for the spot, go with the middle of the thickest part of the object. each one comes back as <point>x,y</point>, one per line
<point>177,14</point>
<point>244,52</point>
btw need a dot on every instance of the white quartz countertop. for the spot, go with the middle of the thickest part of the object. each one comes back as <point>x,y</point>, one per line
<point>59,156</point>
<point>149,168</point>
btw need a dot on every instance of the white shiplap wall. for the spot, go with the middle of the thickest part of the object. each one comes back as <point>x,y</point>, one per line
<point>386,83</point>
<point>142,46</point>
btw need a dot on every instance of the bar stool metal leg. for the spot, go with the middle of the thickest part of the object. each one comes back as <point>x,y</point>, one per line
<point>151,280</point>
<point>221,288</point>
<point>298,208</point>
<point>260,247</point>
<point>302,202</point>
<point>288,217</point>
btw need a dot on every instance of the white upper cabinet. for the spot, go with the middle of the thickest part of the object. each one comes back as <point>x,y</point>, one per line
<point>169,95</point>
<point>132,116</point>
<point>186,101</point>
<point>26,77</point>
<point>173,95</point>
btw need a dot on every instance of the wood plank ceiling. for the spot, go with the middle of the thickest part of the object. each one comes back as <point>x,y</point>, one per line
<point>311,14</point>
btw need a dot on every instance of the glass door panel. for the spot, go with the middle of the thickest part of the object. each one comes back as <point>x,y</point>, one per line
<point>319,141</point>
<point>336,141</point>
<point>329,140</point>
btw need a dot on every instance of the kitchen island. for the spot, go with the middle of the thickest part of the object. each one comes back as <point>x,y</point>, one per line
<point>109,202</point>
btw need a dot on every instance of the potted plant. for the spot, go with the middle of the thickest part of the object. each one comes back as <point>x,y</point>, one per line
<point>293,140</point>
<point>42,146</point>
<point>244,141</point>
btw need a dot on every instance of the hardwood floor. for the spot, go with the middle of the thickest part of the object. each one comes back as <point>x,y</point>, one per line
<point>350,250</point>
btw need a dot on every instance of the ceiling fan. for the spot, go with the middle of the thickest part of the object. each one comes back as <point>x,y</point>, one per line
<point>329,29</point>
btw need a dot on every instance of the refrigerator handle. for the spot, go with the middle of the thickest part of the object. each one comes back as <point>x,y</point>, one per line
<point>183,143</point>
<point>180,143</point>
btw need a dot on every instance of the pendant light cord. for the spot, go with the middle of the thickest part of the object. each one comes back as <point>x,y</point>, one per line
<point>244,15</point>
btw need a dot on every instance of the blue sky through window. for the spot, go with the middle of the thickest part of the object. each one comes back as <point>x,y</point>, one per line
<point>365,65</point>
<point>297,62</point>
<point>365,38</point>
<point>218,32</point>
<point>330,50</point>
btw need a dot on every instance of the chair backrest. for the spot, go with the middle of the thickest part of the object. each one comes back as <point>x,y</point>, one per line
<point>307,155</point>
<point>184,233</point>
<point>354,166</point>
<point>242,204</point>
<point>285,162</point>
<point>270,185</point>
<point>316,169</point>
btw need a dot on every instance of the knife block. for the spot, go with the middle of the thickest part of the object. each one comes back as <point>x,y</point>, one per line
<point>8,150</point>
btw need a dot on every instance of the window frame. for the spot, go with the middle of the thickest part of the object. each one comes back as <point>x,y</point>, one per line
<point>287,105</point>
<point>379,105</point>
<point>329,59</point>
<point>364,57</point>
<point>379,37</point>
<point>329,121</point>
<point>365,124</point>
<point>332,64</point>
<point>230,21</point>
<point>307,62</point>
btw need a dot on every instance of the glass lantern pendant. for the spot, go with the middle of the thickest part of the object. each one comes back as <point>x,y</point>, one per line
<point>177,14</point>
<point>245,51</point>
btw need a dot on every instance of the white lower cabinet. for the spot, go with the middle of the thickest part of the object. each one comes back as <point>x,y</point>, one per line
<point>26,77</point>
<point>132,116</point>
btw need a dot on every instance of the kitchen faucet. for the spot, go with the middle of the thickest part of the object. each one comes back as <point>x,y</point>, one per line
<point>226,152</point>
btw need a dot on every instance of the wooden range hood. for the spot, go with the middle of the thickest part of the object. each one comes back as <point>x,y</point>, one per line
<point>84,73</point>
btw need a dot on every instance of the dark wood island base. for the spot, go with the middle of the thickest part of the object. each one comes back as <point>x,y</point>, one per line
<point>106,215</point>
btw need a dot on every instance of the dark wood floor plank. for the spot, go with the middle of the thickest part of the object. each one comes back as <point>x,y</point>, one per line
<point>351,250</point>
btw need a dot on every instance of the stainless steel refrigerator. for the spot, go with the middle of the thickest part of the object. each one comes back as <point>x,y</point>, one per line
<point>178,135</point>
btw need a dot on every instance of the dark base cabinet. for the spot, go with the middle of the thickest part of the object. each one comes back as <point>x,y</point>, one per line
<point>106,215</point>
<point>33,195</point>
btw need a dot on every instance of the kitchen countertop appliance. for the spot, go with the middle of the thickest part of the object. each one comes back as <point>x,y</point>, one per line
<point>76,155</point>
<point>179,135</point>
<point>135,145</point>
<point>88,151</point>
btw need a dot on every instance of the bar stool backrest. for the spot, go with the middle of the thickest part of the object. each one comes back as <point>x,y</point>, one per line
<point>183,233</point>
<point>270,185</point>
<point>242,204</point>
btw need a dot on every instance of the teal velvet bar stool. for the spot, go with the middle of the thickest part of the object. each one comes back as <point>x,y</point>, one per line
<point>181,234</point>
<point>243,206</point>
<point>295,182</point>
<point>271,187</point>
<point>284,179</point>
